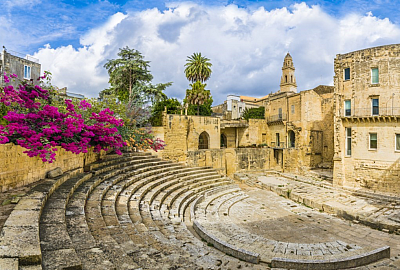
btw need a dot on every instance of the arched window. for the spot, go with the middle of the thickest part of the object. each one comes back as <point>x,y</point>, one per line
<point>204,140</point>
<point>292,138</point>
<point>291,78</point>
<point>286,78</point>
<point>224,141</point>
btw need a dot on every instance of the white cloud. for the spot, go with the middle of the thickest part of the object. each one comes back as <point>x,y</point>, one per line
<point>246,47</point>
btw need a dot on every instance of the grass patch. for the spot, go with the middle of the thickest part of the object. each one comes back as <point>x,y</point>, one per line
<point>6,202</point>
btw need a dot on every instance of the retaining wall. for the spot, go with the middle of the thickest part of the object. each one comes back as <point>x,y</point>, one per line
<point>17,169</point>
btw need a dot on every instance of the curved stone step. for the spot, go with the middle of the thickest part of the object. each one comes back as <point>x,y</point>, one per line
<point>96,251</point>
<point>19,236</point>
<point>284,255</point>
<point>178,200</point>
<point>113,194</point>
<point>103,234</point>
<point>55,243</point>
<point>172,190</point>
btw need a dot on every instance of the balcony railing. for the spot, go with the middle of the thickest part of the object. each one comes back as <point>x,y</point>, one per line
<point>368,112</point>
<point>277,117</point>
<point>278,145</point>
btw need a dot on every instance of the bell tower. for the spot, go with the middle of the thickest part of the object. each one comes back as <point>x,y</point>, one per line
<point>288,80</point>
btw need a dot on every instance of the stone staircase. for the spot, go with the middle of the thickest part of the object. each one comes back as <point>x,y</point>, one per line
<point>137,211</point>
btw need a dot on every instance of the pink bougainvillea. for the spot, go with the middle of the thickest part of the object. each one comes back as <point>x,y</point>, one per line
<point>36,125</point>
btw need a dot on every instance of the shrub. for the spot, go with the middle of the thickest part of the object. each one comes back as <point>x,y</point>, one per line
<point>254,113</point>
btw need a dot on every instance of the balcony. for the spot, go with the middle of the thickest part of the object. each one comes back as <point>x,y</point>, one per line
<point>279,145</point>
<point>276,119</point>
<point>376,114</point>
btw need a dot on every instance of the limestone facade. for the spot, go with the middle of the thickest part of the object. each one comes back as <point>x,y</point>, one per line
<point>367,122</point>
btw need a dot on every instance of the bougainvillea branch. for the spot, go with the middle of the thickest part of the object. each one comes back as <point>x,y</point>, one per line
<point>36,125</point>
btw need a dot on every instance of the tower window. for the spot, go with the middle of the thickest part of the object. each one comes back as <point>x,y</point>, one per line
<point>375,106</point>
<point>347,108</point>
<point>285,78</point>
<point>397,142</point>
<point>374,75</point>
<point>347,74</point>
<point>373,141</point>
<point>348,142</point>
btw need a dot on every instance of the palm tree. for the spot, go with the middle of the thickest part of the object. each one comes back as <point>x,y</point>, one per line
<point>198,68</point>
<point>197,95</point>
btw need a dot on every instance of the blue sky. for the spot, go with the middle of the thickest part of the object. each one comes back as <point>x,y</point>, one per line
<point>245,40</point>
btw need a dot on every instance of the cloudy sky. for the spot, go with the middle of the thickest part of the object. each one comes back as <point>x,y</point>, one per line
<point>246,41</point>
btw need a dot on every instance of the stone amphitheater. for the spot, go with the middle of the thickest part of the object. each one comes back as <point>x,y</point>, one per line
<point>137,211</point>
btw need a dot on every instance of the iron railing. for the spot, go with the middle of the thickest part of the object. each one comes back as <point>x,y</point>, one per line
<point>376,111</point>
<point>277,117</point>
<point>24,56</point>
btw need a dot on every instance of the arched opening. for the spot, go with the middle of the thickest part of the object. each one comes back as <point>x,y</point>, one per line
<point>286,78</point>
<point>292,138</point>
<point>224,141</point>
<point>291,78</point>
<point>204,140</point>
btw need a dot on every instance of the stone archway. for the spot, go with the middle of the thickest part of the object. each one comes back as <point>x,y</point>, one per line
<point>204,140</point>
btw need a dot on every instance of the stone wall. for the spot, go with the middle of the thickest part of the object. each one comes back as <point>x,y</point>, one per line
<point>17,169</point>
<point>231,160</point>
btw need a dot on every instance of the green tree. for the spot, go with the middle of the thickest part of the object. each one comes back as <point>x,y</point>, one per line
<point>198,68</point>
<point>254,113</point>
<point>173,107</point>
<point>198,96</point>
<point>130,78</point>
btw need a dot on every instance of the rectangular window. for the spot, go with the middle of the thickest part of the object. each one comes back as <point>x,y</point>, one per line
<point>277,139</point>
<point>348,141</point>
<point>27,72</point>
<point>280,113</point>
<point>375,106</point>
<point>397,142</point>
<point>373,141</point>
<point>347,74</point>
<point>264,138</point>
<point>347,108</point>
<point>292,108</point>
<point>374,75</point>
